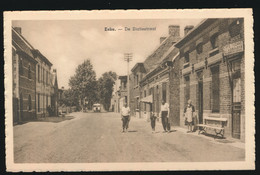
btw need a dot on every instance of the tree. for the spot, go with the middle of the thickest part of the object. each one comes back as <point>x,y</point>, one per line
<point>84,84</point>
<point>105,87</point>
<point>69,98</point>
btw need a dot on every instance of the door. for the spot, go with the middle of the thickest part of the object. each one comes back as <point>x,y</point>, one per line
<point>21,107</point>
<point>200,104</point>
<point>236,108</point>
<point>200,97</point>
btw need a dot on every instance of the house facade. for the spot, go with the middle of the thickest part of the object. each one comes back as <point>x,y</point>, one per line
<point>35,86</point>
<point>24,78</point>
<point>151,79</point>
<point>212,73</point>
<point>43,84</point>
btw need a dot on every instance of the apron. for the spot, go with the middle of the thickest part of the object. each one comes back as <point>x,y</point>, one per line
<point>188,114</point>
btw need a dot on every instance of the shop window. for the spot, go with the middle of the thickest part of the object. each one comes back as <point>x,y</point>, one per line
<point>187,89</point>
<point>215,89</point>
<point>199,48</point>
<point>214,41</point>
<point>29,72</point>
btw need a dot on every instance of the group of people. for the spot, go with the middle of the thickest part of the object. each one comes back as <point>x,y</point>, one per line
<point>189,115</point>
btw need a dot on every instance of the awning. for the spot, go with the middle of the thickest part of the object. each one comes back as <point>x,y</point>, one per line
<point>148,99</point>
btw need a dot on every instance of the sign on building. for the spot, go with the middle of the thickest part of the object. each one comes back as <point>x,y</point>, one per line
<point>233,48</point>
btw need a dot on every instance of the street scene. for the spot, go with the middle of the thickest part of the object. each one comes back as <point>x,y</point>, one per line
<point>129,90</point>
<point>83,140</point>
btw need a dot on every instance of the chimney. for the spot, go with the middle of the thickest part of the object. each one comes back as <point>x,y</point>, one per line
<point>62,87</point>
<point>162,39</point>
<point>18,29</point>
<point>187,29</point>
<point>174,30</point>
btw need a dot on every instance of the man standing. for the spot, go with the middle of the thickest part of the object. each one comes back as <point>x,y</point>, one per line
<point>125,116</point>
<point>165,116</point>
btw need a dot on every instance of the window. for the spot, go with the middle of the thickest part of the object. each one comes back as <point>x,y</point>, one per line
<point>43,76</point>
<point>39,70</point>
<point>187,89</point>
<point>187,57</point>
<point>214,41</point>
<point>29,103</point>
<point>164,91</point>
<point>21,66</point>
<point>47,76</point>
<point>39,108</point>
<point>46,101</point>
<point>199,48</point>
<point>235,28</point>
<point>215,89</point>
<point>29,72</point>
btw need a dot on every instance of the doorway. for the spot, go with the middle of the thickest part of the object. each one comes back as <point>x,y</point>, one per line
<point>21,107</point>
<point>200,97</point>
<point>236,99</point>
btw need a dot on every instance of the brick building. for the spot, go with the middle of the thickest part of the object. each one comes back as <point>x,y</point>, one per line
<point>24,78</point>
<point>43,84</point>
<point>151,78</point>
<point>35,87</point>
<point>212,73</point>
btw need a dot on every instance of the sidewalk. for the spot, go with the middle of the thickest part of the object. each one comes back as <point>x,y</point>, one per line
<point>224,141</point>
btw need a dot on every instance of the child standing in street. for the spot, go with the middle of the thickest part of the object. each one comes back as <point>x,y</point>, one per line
<point>152,119</point>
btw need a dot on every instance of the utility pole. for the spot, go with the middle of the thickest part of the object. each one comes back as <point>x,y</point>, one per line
<point>128,58</point>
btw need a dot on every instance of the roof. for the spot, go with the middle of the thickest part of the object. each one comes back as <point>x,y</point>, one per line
<point>21,44</point>
<point>205,23</point>
<point>169,56</point>
<point>156,57</point>
<point>140,66</point>
<point>122,77</point>
<point>36,52</point>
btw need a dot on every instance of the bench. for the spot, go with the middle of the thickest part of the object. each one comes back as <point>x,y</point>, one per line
<point>217,124</point>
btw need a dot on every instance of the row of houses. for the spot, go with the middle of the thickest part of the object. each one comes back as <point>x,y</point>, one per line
<point>206,65</point>
<point>35,85</point>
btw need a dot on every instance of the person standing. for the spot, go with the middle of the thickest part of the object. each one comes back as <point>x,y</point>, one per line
<point>189,115</point>
<point>125,117</point>
<point>165,116</point>
<point>152,119</point>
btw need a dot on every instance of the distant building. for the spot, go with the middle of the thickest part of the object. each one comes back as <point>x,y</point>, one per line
<point>54,93</point>
<point>24,78</point>
<point>122,91</point>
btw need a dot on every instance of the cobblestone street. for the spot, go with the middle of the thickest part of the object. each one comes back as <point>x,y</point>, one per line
<point>97,137</point>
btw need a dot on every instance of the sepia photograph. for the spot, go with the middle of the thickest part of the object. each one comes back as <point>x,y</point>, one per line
<point>129,90</point>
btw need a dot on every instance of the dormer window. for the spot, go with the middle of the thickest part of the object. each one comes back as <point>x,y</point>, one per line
<point>214,41</point>
<point>199,48</point>
<point>187,57</point>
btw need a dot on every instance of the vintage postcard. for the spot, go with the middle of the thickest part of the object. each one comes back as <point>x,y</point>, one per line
<point>129,90</point>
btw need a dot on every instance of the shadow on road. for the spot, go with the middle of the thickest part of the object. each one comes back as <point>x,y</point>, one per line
<point>133,131</point>
<point>47,119</point>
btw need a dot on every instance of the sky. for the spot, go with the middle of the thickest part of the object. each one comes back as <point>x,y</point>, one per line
<point>67,43</point>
